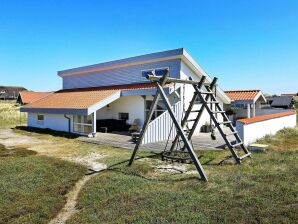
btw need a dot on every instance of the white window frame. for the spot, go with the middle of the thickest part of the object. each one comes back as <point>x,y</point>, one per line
<point>151,69</point>
<point>81,124</point>
<point>40,121</point>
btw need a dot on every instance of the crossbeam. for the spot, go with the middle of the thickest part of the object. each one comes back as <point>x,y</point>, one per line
<point>155,78</point>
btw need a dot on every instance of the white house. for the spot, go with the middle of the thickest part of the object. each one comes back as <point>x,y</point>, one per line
<point>115,93</point>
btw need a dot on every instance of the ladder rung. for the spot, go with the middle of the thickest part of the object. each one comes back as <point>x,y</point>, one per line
<point>191,120</point>
<point>244,156</point>
<point>206,92</point>
<point>225,122</point>
<point>218,111</point>
<point>232,133</point>
<point>194,111</point>
<point>212,102</point>
<point>237,144</point>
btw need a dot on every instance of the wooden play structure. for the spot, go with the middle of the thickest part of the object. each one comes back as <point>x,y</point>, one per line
<point>182,148</point>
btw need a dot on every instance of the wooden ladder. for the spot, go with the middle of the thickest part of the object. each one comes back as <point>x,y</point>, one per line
<point>208,98</point>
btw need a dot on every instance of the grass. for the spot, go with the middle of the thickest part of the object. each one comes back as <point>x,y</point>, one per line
<point>285,139</point>
<point>262,190</point>
<point>33,188</point>
<point>10,114</point>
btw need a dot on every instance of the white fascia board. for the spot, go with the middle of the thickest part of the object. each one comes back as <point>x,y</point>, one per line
<point>260,94</point>
<point>197,69</point>
<point>104,102</point>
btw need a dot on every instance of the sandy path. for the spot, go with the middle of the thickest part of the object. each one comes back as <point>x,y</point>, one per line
<point>11,139</point>
<point>72,197</point>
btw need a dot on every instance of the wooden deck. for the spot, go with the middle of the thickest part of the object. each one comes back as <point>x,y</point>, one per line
<point>201,141</point>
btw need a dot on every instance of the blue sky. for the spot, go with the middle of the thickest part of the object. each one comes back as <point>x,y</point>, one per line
<point>247,44</point>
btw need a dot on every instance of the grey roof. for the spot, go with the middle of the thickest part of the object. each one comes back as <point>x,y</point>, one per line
<point>280,100</point>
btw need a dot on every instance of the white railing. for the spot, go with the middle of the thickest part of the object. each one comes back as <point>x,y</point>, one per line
<point>160,128</point>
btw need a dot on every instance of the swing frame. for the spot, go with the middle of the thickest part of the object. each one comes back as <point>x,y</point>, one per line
<point>160,82</point>
<point>209,98</point>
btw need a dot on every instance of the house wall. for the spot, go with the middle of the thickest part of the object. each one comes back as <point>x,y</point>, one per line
<point>249,133</point>
<point>189,91</point>
<point>134,105</point>
<point>119,76</point>
<point>52,121</point>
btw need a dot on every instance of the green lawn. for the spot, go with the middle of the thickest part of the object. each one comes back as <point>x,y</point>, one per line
<point>262,190</point>
<point>33,188</point>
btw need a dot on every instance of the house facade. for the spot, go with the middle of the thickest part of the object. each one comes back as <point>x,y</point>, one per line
<point>113,95</point>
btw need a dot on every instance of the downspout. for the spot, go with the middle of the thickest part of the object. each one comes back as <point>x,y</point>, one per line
<point>68,118</point>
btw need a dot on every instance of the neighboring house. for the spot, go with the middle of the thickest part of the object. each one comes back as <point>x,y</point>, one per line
<point>284,102</point>
<point>10,92</point>
<point>289,94</point>
<point>245,103</point>
<point>26,97</point>
<point>115,94</point>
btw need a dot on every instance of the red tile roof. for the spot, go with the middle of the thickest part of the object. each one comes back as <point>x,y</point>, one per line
<point>30,97</point>
<point>84,97</point>
<point>116,87</point>
<point>265,117</point>
<point>242,94</point>
<point>72,99</point>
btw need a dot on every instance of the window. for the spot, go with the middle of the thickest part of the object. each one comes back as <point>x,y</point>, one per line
<point>123,116</point>
<point>40,119</point>
<point>161,107</point>
<point>82,124</point>
<point>239,105</point>
<point>158,71</point>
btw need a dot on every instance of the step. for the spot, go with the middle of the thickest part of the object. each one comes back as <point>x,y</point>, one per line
<point>225,122</point>
<point>195,111</point>
<point>191,120</point>
<point>206,92</point>
<point>237,144</point>
<point>214,102</point>
<point>232,133</point>
<point>244,156</point>
<point>218,111</point>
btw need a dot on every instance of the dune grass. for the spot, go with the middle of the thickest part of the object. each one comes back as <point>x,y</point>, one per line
<point>10,114</point>
<point>33,188</point>
<point>261,190</point>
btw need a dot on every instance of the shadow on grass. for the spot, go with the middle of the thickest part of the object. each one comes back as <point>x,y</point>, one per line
<point>15,152</point>
<point>129,171</point>
<point>47,132</point>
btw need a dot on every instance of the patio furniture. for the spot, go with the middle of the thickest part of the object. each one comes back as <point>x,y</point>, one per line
<point>111,125</point>
<point>135,136</point>
<point>135,126</point>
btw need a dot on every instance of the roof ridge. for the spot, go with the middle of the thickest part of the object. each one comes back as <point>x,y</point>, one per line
<point>247,90</point>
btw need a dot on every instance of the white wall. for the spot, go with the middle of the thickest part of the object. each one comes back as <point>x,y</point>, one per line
<point>52,121</point>
<point>189,91</point>
<point>251,132</point>
<point>134,105</point>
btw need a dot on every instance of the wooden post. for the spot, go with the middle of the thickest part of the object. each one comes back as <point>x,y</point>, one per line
<point>163,81</point>
<point>187,144</point>
<point>253,109</point>
<point>94,122</point>
<point>248,110</point>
